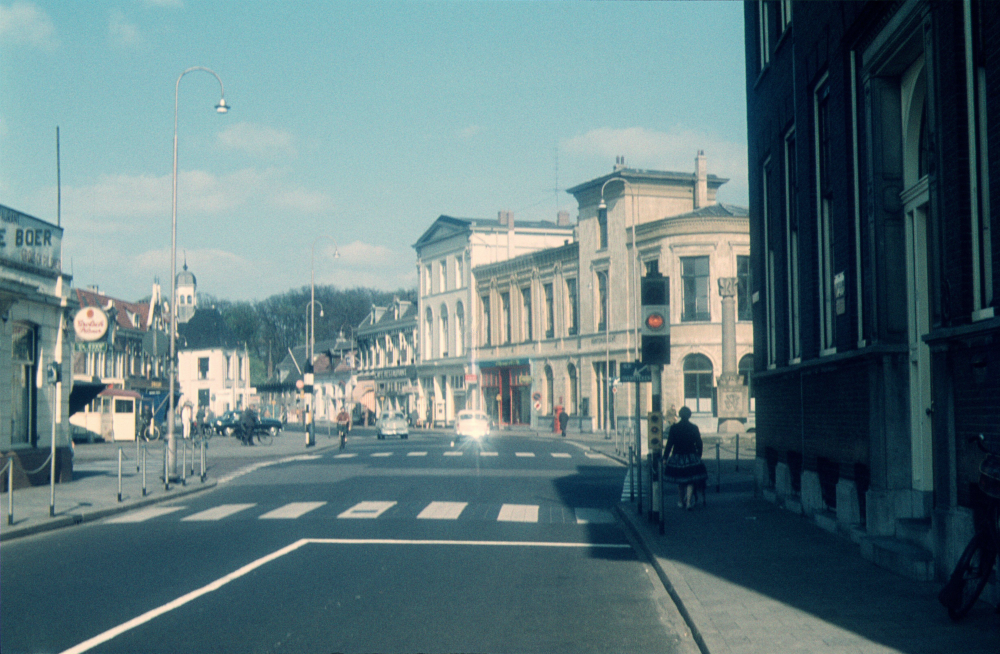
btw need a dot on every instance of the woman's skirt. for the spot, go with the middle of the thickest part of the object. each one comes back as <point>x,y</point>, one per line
<point>684,469</point>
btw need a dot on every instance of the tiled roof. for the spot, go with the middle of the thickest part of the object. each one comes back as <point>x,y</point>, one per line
<point>207,329</point>
<point>129,315</point>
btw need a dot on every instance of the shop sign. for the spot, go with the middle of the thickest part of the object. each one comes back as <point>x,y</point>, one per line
<point>504,363</point>
<point>93,346</point>
<point>90,324</point>
<point>524,380</point>
<point>29,241</point>
<point>471,378</point>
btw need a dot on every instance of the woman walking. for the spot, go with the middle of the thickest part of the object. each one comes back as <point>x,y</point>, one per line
<point>683,454</point>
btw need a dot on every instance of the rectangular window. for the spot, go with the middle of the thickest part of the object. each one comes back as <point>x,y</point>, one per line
<point>427,280</point>
<point>505,323</point>
<point>549,312</point>
<point>763,32</point>
<point>694,280</point>
<point>653,267</point>
<point>792,247</point>
<point>786,14</point>
<point>443,275</point>
<point>744,306</point>
<point>769,295</point>
<point>572,308</point>
<point>824,231</point>
<point>202,367</point>
<point>602,300</point>
<point>459,272</point>
<point>526,331</point>
<point>602,228</point>
<point>485,335</point>
<point>24,396</point>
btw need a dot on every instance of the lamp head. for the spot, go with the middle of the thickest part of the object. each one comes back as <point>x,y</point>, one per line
<point>602,206</point>
<point>321,312</point>
<point>336,254</point>
<point>222,107</point>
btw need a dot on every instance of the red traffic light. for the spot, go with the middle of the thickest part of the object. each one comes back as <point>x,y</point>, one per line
<point>655,321</point>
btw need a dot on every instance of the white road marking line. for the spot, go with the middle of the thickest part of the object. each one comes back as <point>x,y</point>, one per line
<point>518,513</point>
<point>594,516</point>
<point>561,455</point>
<point>416,454</point>
<point>594,455</point>
<point>443,510</point>
<point>145,514</point>
<point>218,512</point>
<point>182,600</point>
<point>530,454</point>
<point>454,453</point>
<point>264,464</point>
<point>367,510</point>
<point>382,453</point>
<point>345,455</point>
<point>291,510</point>
<point>489,454</point>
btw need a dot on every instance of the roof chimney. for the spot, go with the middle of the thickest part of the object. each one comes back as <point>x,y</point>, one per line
<point>506,218</point>
<point>562,218</point>
<point>619,163</point>
<point>701,181</point>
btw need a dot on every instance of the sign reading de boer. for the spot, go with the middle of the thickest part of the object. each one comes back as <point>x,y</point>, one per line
<point>26,240</point>
<point>90,324</point>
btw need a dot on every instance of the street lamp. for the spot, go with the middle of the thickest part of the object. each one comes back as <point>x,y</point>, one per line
<point>222,108</point>
<point>308,329</point>
<point>311,343</point>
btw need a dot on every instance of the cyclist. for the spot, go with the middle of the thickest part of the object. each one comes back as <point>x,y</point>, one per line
<point>248,421</point>
<point>343,426</point>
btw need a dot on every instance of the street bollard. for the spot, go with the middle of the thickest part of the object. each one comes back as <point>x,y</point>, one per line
<point>144,471</point>
<point>631,475</point>
<point>663,497</point>
<point>166,465</point>
<point>119,474</point>
<point>718,469</point>
<point>737,452</point>
<point>10,492</point>
<point>184,464</point>
<point>203,460</point>
<point>137,454</point>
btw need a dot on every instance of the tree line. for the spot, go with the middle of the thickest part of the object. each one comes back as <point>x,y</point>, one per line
<point>271,326</point>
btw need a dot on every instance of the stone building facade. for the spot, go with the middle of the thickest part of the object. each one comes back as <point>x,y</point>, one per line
<point>871,142</point>
<point>557,323</point>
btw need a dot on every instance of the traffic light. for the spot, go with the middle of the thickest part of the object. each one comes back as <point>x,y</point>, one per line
<point>654,431</point>
<point>655,297</point>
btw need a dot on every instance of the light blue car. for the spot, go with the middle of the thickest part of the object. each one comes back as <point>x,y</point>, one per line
<point>392,423</point>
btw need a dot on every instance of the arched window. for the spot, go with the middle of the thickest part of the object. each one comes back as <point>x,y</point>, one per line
<point>459,328</point>
<point>429,334</point>
<point>746,370</point>
<point>444,331</point>
<point>698,389</point>
<point>571,390</point>
<point>549,404</point>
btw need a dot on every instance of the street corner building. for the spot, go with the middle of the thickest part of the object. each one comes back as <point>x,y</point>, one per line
<point>529,319</point>
<point>36,318</point>
<point>871,150</point>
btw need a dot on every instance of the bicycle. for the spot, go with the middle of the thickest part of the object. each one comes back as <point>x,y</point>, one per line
<point>974,567</point>
<point>149,431</point>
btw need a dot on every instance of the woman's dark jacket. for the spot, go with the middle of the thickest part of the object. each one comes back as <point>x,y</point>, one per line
<point>684,438</point>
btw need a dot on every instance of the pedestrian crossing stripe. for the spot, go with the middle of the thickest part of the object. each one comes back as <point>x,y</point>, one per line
<point>518,513</point>
<point>416,454</point>
<point>561,455</point>
<point>292,511</point>
<point>218,512</point>
<point>442,511</point>
<point>145,514</point>
<point>367,510</point>
<point>381,453</point>
<point>524,454</point>
<point>345,455</point>
<point>489,454</point>
<point>454,453</point>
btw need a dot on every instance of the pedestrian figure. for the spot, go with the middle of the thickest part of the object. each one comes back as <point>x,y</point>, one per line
<point>671,417</point>
<point>563,421</point>
<point>248,422</point>
<point>343,426</point>
<point>186,417</point>
<point>684,466</point>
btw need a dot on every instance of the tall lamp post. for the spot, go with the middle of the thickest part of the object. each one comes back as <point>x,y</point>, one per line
<point>222,108</point>
<point>602,206</point>
<point>311,344</point>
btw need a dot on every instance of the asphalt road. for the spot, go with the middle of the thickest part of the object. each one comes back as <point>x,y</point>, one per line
<point>391,546</point>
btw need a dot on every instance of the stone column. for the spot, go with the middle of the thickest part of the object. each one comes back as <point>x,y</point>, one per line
<point>732,394</point>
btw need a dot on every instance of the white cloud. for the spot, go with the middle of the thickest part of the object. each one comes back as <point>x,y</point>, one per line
<point>674,151</point>
<point>121,32</point>
<point>23,23</point>
<point>303,200</point>
<point>257,140</point>
<point>469,132</point>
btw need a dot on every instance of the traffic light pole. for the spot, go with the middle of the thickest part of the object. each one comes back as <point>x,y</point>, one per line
<point>654,454</point>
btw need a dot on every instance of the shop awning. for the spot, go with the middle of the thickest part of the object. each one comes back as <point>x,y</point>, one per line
<point>83,393</point>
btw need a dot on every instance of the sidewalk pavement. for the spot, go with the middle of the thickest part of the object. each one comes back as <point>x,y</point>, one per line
<point>93,493</point>
<point>750,577</point>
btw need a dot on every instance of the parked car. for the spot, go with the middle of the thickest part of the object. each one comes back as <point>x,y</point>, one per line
<point>474,425</point>
<point>392,423</point>
<point>229,423</point>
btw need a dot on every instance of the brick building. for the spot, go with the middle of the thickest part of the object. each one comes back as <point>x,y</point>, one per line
<point>873,252</point>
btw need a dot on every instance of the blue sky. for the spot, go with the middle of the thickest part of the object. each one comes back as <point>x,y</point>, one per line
<point>361,121</point>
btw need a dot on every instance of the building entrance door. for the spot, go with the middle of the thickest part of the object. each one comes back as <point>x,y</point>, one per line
<point>918,319</point>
